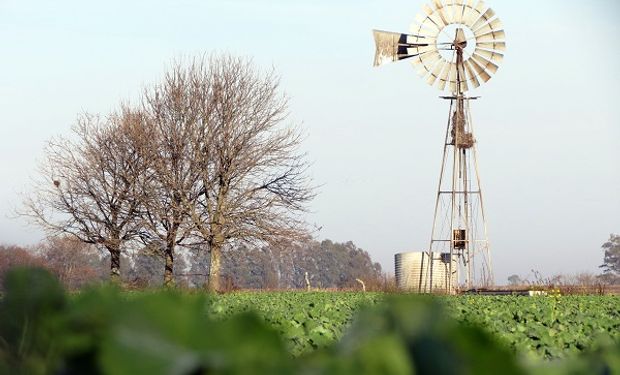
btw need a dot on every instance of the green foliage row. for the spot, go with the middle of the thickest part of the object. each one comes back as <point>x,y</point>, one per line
<point>107,331</point>
<point>305,320</point>
<point>545,327</point>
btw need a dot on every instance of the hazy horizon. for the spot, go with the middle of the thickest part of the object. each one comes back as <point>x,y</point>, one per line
<point>546,123</point>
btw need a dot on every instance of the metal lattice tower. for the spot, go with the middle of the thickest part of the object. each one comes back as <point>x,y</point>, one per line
<point>455,45</point>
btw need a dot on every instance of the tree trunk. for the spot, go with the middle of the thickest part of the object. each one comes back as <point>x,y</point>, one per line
<point>168,270</point>
<point>115,263</point>
<point>215,267</point>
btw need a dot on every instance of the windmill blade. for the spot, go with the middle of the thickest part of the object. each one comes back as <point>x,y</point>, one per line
<point>461,73</point>
<point>494,25</point>
<point>458,11</point>
<point>437,21</point>
<point>425,40</point>
<point>443,79</point>
<point>453,73</point>
<point>424,32</point>
<point>497,46</point>
<point>475,13</point>
<point>391,46</point>
<point>447,12</point>
<point>472,75</point>
<point>426,69</point>
<point>425,22</point>
<point>485,76</point>
<point>459,84</point>
<point>436,72</point>
<point>414,51</point>
<point>450,10</point>
<point>468,13</point>
<point>491,56</point>
<point>464,86</point>
<point>431,58</point>
<point>457,8</point>
<point>486,64</point>
<point>462,77</point>
<point>433,17</point>
<point>431,28</point>
<point>426,62</point>
<point>453,77</point>
<point>493,36</point>
<point>440,10</point>
<point>453,87</point>
<point>480,72</point>
<point>438,4</point>
<point>485,18</point>
<point>480,8</point>
<point>475,66</point>
<point>427,9</point>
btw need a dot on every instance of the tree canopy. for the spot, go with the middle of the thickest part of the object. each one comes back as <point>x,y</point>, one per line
<point>611,260</point>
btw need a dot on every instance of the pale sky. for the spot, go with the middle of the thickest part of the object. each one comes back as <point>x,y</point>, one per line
<point>547,123</point>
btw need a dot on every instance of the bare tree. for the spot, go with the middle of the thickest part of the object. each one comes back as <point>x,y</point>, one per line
<point>207,159</point>
<point>91,186</point>
<point>172,112</point>
<point>252,179</point>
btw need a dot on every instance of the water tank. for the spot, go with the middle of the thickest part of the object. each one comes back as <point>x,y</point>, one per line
<point>417,273</point>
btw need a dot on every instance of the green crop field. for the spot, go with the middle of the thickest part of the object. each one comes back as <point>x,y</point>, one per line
<point>43,330</point>
<point>544,327</point>
<point>306,321</point>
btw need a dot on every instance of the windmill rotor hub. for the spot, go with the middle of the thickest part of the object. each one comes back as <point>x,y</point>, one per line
<point>460,41</point>
<point>455,37</point>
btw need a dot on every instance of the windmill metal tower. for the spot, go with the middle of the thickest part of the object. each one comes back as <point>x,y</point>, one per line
<point>455,45</point>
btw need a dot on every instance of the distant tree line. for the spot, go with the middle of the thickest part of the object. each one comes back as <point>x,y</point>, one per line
<point>325,265</point>
<point>610,267</point>
<point>75,263</point>
<point>320,264</point>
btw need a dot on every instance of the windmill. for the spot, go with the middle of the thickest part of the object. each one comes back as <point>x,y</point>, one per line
<point>455,45</point>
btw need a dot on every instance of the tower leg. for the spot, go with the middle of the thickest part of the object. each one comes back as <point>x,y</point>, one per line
<point>459,251</point>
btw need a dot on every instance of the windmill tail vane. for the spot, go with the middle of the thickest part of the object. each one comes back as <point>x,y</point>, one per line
<point>454,45</point>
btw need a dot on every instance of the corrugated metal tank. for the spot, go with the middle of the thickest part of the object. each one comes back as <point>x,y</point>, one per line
<point>413,274</point>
